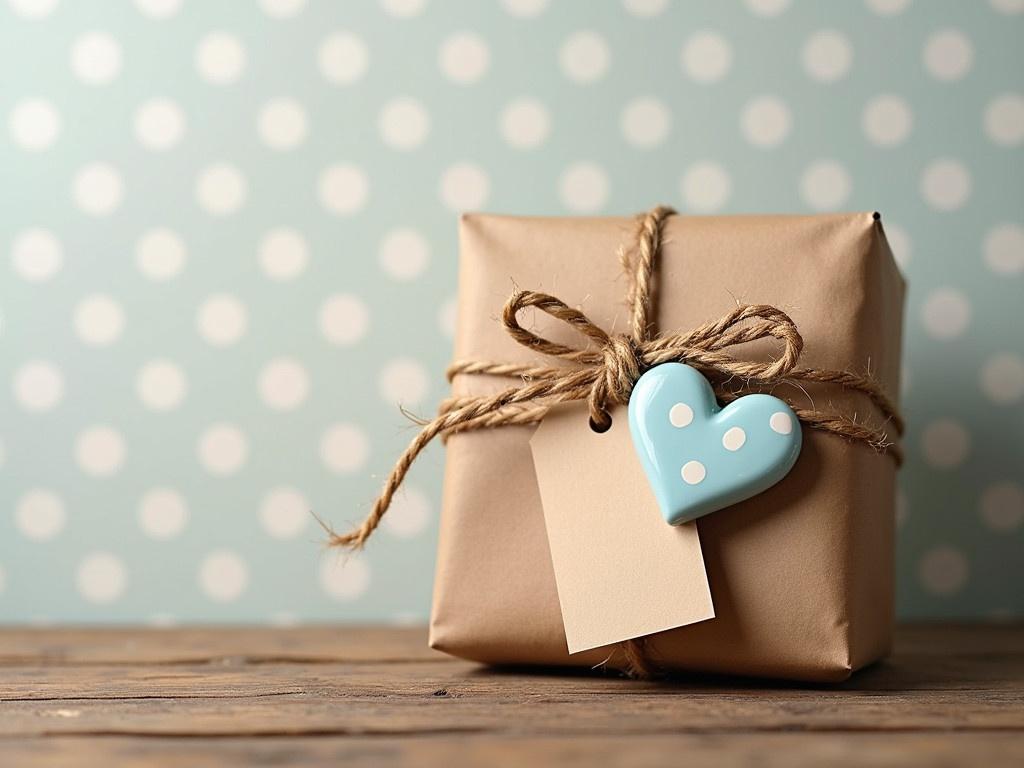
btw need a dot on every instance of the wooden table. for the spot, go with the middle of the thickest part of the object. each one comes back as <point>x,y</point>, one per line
<point>949,695</point>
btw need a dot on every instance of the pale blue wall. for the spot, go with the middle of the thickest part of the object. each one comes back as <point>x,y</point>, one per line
<point>911,108</point>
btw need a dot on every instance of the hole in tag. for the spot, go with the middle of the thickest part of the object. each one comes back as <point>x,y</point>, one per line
<point>600,428</point>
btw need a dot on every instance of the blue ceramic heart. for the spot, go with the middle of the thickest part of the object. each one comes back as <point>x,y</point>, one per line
<point>700,457</point>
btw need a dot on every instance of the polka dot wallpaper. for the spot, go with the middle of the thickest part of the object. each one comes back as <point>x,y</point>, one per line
<point>229,252</point>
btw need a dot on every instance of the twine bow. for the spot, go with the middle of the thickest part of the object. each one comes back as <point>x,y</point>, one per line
<point>606,368</point>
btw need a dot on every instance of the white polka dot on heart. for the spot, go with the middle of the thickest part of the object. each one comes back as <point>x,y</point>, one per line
<point>887,120</point>
<point>39,514</point>
<point>343,58</point>
<point>765,121</point>
<point>161,385</point>
<point>584,57</point>
<point>223,576</point>
<point>403,9</point>
<point>96,58</point>
<point>404,124</point>
<point>159,9</point>
<point>100,451</point>
<point>946,313</point>
<point>680,415</point>
<point>344,448</point>
<point>32,9</point>
<point>159,124</point>
<point>343,189</point>
<point>464,187</point>
<point>734,438</point>
<point>948,55</point>
<point>781,422</point>
<point>827,56</point>
<point>706,57</point>
<point>584,188</point>
<point>221,189</point>
<point>344,319</point>
<point>160,254</point>
<point>282,9</point>
<point>1004,120</point>
<point>524,8</point>
<point>344,579</point>
<point>693,472</point>
<point>404,381</point>
<point>525,123</point>
<point>464,58</point>
<point>38,386</point>
<point>825,185</point>
<point>645,122</point>
<point>1002,506</point>
<point>34,124</point>
<point>1002,379</point>
<point>1004,249</point>
<point>706,187</point>
<point>946,184</point>
<point>943,571</point>
<point>101,577</point>
<point>283,384</point>
<point>284,513</point>
<point>223,449</point>
<point>404,254</point>
<point>220,58</point>
<point>37,255</point>
<point>283,254</point>
<point>162,513</point>
<point>945,444</point>
<point>99,320</point>
<point>409,513</point>
<point>98,189</point>
<point>222,320</point>
<point>282,124</point>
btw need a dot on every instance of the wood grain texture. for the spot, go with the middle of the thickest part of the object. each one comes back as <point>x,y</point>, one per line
<point>949,695</point>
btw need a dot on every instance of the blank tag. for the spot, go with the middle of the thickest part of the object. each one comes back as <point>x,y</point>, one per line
<point>621,570</point>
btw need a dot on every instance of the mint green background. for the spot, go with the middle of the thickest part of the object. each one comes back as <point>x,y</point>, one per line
<point>941,507</point>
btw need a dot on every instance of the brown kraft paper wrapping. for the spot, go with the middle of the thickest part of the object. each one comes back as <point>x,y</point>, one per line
<point>802,574</point>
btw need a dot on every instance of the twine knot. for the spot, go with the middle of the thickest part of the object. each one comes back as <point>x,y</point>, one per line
<point>621,368</point>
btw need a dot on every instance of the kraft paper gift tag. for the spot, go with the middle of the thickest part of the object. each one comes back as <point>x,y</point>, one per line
<point>621,570</point>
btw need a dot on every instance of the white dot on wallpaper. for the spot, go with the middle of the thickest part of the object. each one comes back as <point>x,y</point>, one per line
<point>343,58</point>
<point>899,244</point>
<point>344,319</point>
<point>945,444</point>
<point>39,514</point>
<point>343,189</point>
<point>403,123</point>
<point>221,189</point>
<point>1004,249</point>
<point>222,320</point>
<point>97,189</point>
<point>403,381</point>
<point>38,386</point>
<point>34,124</point>
<point>222,449</point>
<point>1002,506</point>
<point>220,58</point>
<point>827,56</point>
<point>887,120</point>
<point>159,9</point>
<point>584,188</point>
<point>344,448</point>
<point>946,184</point>
<point>706,187</point>
<point>645,122</point>
<point>282,9</point>
<point>524,8</point>
<point>943,571</point>
<point>1004,119</point>
<point>464,187</point>
<point>948,55</point>
<point>765,121</point>
<point>584,57</point>
<point>98,320</point>
<point>159,124</point>
<point>403,9</point>
<point>100,451</point>
<point>223,576</point>
<point>767,7</point>
<point>524,123</point>
<point>36,255</point>
<point>1008,6</point>
<point>283,254</point>
<point>161,385</point>
<point>888,7</point>
<point>464,58</point>
<point>281,124</point>
<point>101,577</point>
<point>283,384</point>
<point>1002,379</point>
<point>825,185</point>
<point>645,9</point>
<point>404,254</point>
<point>409,513</point>
<point>344,578</point>
<point>284,512</point>
<point>447,316</point>
<point>946,314</point>
<point>160,254</point>
<point>162,513</point>
<point>706,57</point>
<point>96,58</point>
<point>32,9</point>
